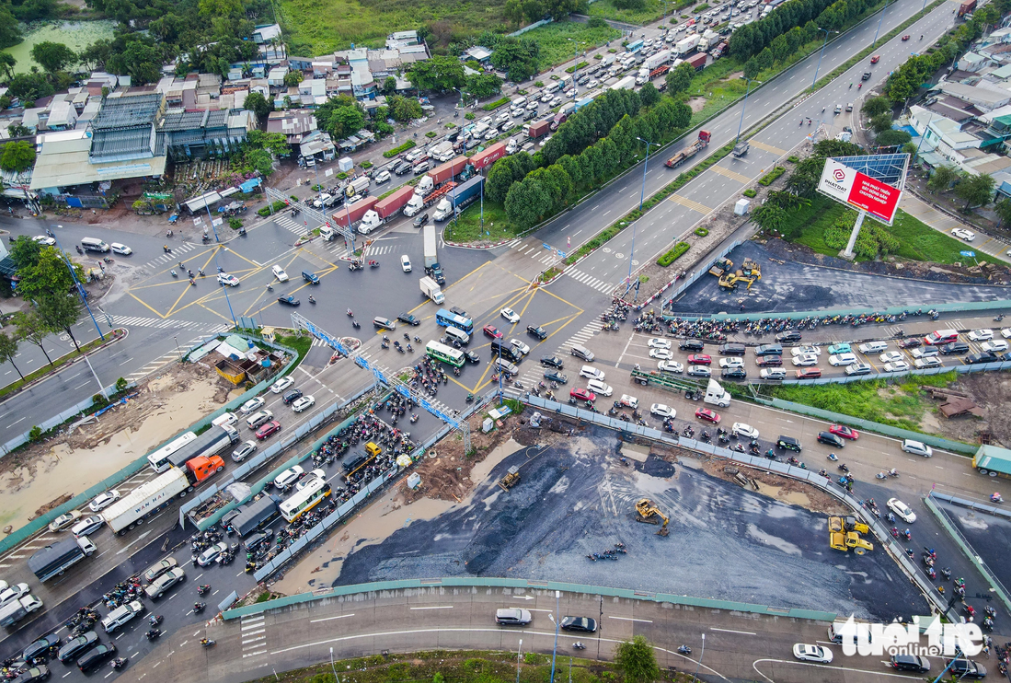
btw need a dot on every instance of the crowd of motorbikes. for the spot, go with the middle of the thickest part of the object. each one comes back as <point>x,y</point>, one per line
<point>609,554</point>
<point>427,376</point>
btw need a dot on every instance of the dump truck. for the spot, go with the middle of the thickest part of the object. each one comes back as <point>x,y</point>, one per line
<point>459,198</point>
<point>681,157</point>
<point>489,156</point>
<point>430,288</point>
<point>386,209</point>
<point>511,478</point>
<point>740,149</point>
<point>352,213</point>
<point>648,513</point>
<point>539,128</point>
<point>429,244</point>
<point>55,559</point>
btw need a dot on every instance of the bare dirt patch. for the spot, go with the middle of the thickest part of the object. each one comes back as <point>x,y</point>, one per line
<point>778,487</point>
<point>697,104</point>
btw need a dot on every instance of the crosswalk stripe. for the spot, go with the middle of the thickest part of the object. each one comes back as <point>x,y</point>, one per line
<point>690,203</point>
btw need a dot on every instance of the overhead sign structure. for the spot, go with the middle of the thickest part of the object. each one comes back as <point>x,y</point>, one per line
<point>859,191</point>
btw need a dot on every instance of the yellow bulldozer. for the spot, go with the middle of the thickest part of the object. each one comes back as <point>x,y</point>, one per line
<point>511,478</point>
<point>750,268</point>
<point>648,513</point>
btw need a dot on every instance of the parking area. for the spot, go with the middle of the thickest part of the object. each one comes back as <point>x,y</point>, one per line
<point>577,499</point>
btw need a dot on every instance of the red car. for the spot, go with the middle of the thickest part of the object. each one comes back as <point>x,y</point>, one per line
<point>268,429</point>
<point>491,331</point>
<point>583,394</point>
<point>906,37</point>
<point>708,415</point>
<point>699,359</point>
<point>769,361</point>
<point>874,60</point>
<point>844,431</point>
<point>808,373</point>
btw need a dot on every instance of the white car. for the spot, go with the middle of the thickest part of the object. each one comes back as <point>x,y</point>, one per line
<point>532,106</point>
<point>590,372</point>
<point>813,653</point>
<point>980,335</point>
<point>924,352</point>
<point>44,240</point>
<point>546,98</point>
<point>279,273</point>
<point>121,249</point>
<point>211,554</point>
<point>492,134</point>
<point>510,315</point>
<point>806,350</point>
<point>901,510</point>
<point>301,404</point>
<point>382,177</point>
<point>251,405</point>
<point>661,410</point>
<point>661,354</point>
<point>995,346</point>
<point>282,384</point>
<point>104,500</point>
<point>873,347</point>
<point>1006,332</point>
<point>742,429</point>
<point>502,118</point>
<point>593,83</point>
<point>890,357</point>
<point>731,362</point>
<point>13,593</point>
<point>932,362</point>
<point>405,263</point>
<point>659,343</point>
<point>805,360</point>
<point>599,388</point>
<point>309,478</point>
<point>896,366</point>
<point>670,366</point>
<point>842,359</point>
<point>961,233</point>
<point>322,200</point>
<point>773,373</point>
<point>916,447</point>
<point>288,477</point>
<point>520,346</point>
<point>228,280</point>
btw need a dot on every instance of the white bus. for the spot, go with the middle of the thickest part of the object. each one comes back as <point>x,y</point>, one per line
<point>306,499</point>
<point>159,460</point>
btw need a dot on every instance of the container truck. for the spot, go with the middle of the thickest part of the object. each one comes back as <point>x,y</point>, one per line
<point>418,202</point>
<point>539,128</point>
<point>489,156</point>
<point>386,209</point>
<point>429,244</point>
<point>563,114</point>
<point>660,71</point>
<point>708,40</point>
<point>716,395</point>
<point>15,611</point>
<point>55,559</point>
<point>212,442</point>
<point>607,61</point>
<point>352,213</point>
<point>430,288</point>
<point>424,185</point>
<point>626,83</point>
<point>697,61</point>
<point>151,497</point>
<point>444,172</point>
<point>686,45</point>
<point>256,515</point>
<point>655,60</point>
<point>967,7</point>
<point>681,157</point>
<point>460,197</point>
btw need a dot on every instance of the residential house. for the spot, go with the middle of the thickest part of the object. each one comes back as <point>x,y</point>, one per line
<point>294,124</point>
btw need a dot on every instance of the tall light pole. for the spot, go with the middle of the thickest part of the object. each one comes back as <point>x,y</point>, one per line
<point>748,85</point>
<point>700,658</point>
<point>332,667</point>
<point>520,647</point>
<point>643,188</point>
<point>881,17</point>
<point>823,51</point>
<point>555,620</point>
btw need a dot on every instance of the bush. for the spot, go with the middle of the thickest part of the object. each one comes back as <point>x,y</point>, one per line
<point>581,65</point>
<point>366,165</point>
<point>121,385</point>
<point>35,434</point>
<point>793,159</point>
<point>598,56</point>
<point>391,153</point>
<point>495,105</point>
<point>469,116</point>
<point>431,134</point>
<point>749,193</point>
<point>235,223</point>
<point>700,8</point>
<point>669,257</point>
<point>701,231</point>
<point>342,175</point>
<point>768,179</point>
<point>276,206</point>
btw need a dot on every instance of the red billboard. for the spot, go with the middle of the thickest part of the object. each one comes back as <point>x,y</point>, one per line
<point>876,198</point>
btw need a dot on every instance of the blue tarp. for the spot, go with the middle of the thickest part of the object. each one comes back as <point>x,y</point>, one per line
<point>248,186</point>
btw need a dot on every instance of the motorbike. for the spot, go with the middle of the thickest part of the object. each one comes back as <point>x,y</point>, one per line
<point>470,398</point>
<point>311,299</point>
<point>996,497</point>
<point>270,288</point>
<point>579,646</point>
<point>349,313</point>
<point>832,457</point>
<point>893,473</point>
<point>207,642</point>
<point>895,532</point>
<point>202,590</point>
<point>414,418</point>
<point>906,534</point>
<point>152,634</point>
<point>355,324</point>
<point>154,620</point>
<point>374,264</point>
<point>118,663</point>
<point>843,467</point>
<point>880,475</point>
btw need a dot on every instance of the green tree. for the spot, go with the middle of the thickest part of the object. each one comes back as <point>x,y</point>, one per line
<point>60,311</point>
<point>8,350</point>
<point>31,327</point>
<point>769,217</point>
<point>483,86</point>
<point>679,78</point>
<point>29,86</point>
<point>16,130</point>
<point>7,63</point>
<point>527,202</point>
<point>53,57</point>
<point>881,123</point>
<point>636,661</point>
<point>597,23</point>
<point>258,104</point>
<point>943,179</point>
<point>18,156</point>
<point>975,189</point>
<point>516,56</point>
<point>649,95</point>
<point>875,106</point>
<point>505,173</point>
<point>10,32</point>
<point>513,11</point>
<point>892,138</point>
<point>751,69</point>
<point>439,73</point>
<point>389,86</point>
<point>25,252</point>
<point>293,78</point>
<point>1003,209</point>
<point>48,274</point>
<point>404,109</point>
<point>340,116</point>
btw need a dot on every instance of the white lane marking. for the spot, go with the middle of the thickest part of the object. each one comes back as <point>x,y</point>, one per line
<point>434,607</point>
<point>727,630</point>
<point>643,621</point>
<point>340,616</point>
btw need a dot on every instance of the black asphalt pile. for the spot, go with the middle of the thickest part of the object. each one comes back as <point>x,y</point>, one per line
<point>987,535</point>
<point>577,499</point>
<point>788,285</point>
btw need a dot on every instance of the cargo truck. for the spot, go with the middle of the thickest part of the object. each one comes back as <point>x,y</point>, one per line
<point>697,61</point>
<point>256,515</point>
<point>429,244</point>
<point>212,442</point>
<point>607,61</point>
<point>681,157</point>
<point>430,288</point>
<point>686,45</point>
<point>385,209</point>
<point>740,149</point>
<point>562,115</point>
<point>15,611</point>
<point>153,496</point>
<point>419,202</point>
<point>716,395</point>
<point>489,156</point>
<point>442,152</point>
<point>627,83</point>
<point>55,559</point>
<point>708,40</point>
<point>461,196</point>
<point>539,128</point>
<point>967,7</point>
<point>448,171</point>
<point>357,187</point>
<point>655,60</point>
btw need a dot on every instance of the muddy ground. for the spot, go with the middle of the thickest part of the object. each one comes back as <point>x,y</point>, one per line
<point>38,478</point>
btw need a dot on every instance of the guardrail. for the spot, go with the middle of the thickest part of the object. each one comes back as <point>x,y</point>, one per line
<point>1003,304</point>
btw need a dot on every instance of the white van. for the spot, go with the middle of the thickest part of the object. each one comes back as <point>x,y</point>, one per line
<point>122,615</point>
<point>458,334</point>
<point>519,102</point>
<point>599,387</point>
<point>225,420</point>
<point>94,244</point>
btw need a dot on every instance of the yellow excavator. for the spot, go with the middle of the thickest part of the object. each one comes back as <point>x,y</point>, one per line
<point>750,268</point>
<point>511,478</point>
<point>730,280</point>
<point>648,513</point>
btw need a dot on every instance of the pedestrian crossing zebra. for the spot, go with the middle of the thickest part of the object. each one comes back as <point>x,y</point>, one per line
<point>288,223</point>
<point>379,249</point>
<point>168,323</point>
<point>174,256</point>
<point>585,333</point>
<point>590,280</point>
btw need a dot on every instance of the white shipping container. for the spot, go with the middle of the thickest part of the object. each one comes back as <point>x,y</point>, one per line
<point>145,499</point>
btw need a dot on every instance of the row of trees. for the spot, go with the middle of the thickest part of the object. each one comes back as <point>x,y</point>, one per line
<point>586,150</point>
<point>23,11</point>
<point>442,73</point>
<point>518,12</point>
<point>974,189</point>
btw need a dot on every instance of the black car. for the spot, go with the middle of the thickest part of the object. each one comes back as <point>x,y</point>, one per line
<point>36,673</point>
<point>965,668</point>
<point>538,332</point>
<point>975,358</point>
<point>472,357</point>
<point>584,624</point>
<point>96,658</point>
<point>955,348</point>
<point>420,220</point>
<point>409,319</point>
<point>226,519</point>
<point>457,310</point>
<point>789,337</point>
<point>531,114</point>
<point>556,376</point>
<point>910,663</point>
<point>788,443</point>
<point>866,75</point>
<point>292,395</point>
<point>288,300</point>
<point>734,373</point>
<point>402,168</point>
<point>41,646</point>
<point>691,345</point>
<point>911,343</point>
<point>830,439</point>
<point>552,362</point>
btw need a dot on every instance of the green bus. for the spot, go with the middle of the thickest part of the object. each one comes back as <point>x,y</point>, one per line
<point>442,352</point>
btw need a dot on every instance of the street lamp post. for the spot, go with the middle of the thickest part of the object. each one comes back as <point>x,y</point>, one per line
<point>332,667</point>
<point>822,52</point>
<point>555,620</point>
<point>700,658</point>
<point>520,647</point>
<point>881,17</point>
<point>748,85</point>
<point>643,188</point>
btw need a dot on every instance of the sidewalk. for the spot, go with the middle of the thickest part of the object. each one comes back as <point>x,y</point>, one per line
<point>943,222</point>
